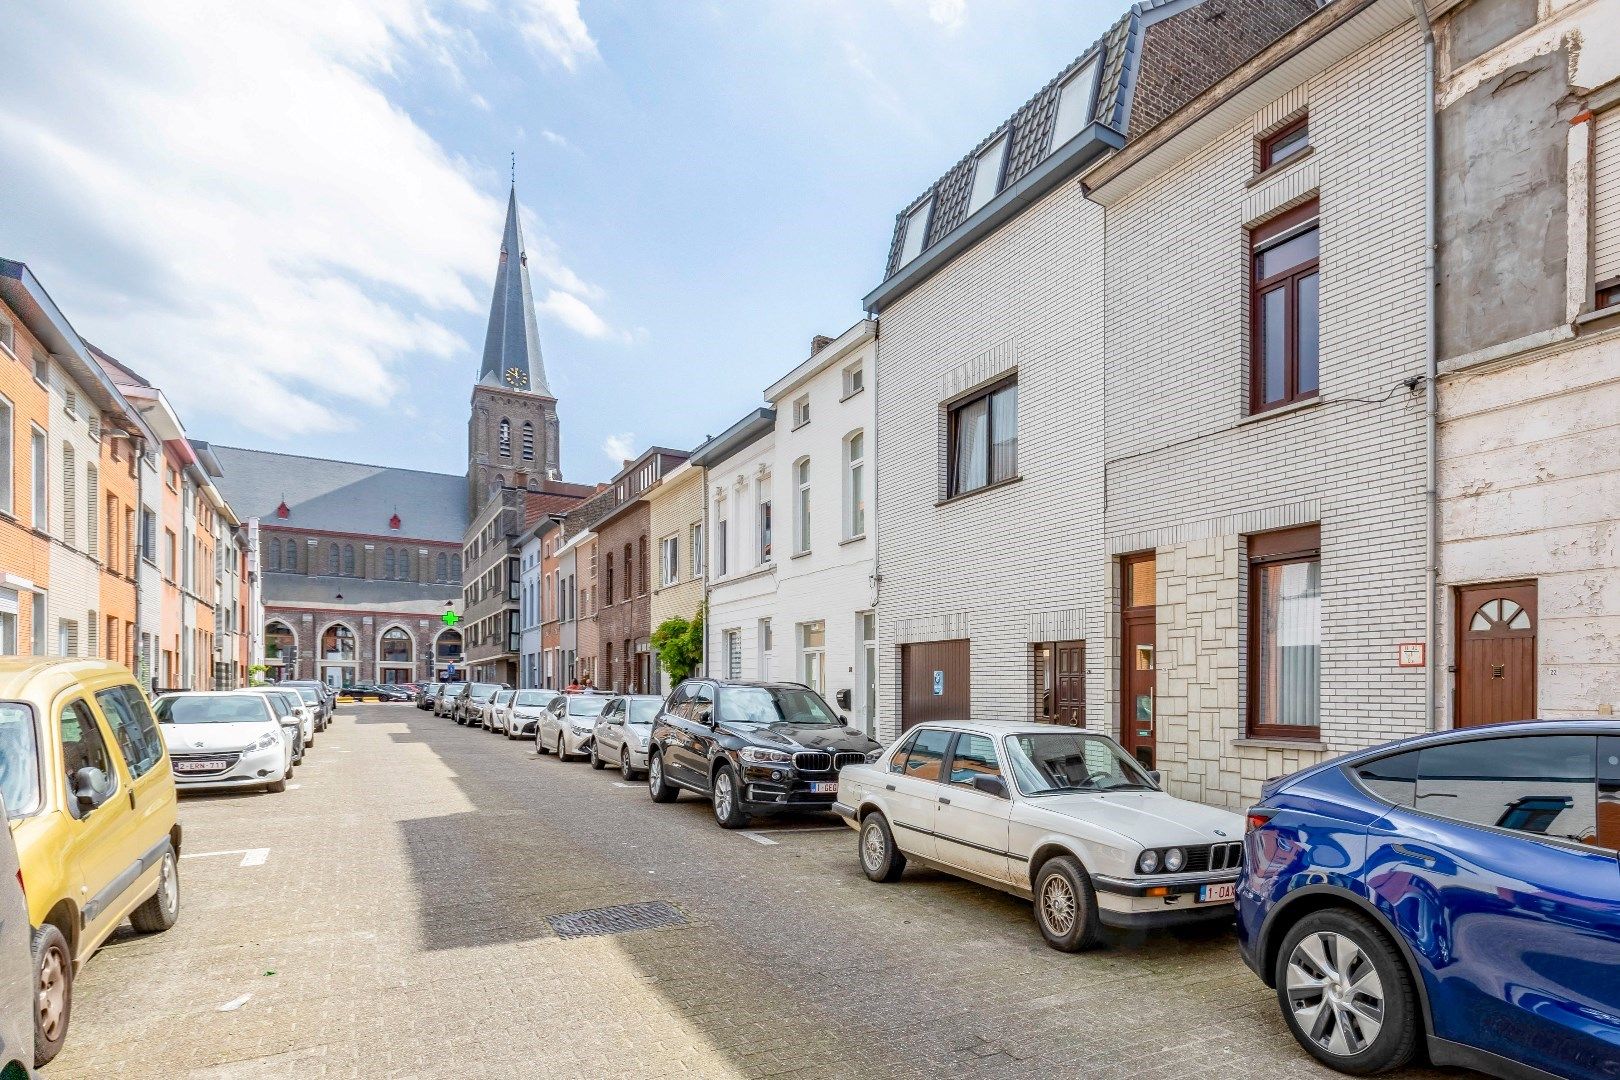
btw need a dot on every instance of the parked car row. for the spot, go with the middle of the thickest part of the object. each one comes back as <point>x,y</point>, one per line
<point>221,740</point>
<point>1454,896</point>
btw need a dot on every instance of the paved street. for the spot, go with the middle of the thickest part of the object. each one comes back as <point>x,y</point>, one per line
<point>397,927</point>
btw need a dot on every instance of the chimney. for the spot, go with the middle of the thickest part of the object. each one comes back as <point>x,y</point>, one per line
<point>819,342</point>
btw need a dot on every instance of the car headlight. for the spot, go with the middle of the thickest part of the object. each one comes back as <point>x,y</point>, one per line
<point>1148,863</point>
<point>583,727</point>
<point>267,741</point>
<point>871,758</point>
<point>291,730</point>
<point>1174,860</point>
<point>761,756</point>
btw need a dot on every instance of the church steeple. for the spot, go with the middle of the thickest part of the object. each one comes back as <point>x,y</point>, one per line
<point>512,343</point>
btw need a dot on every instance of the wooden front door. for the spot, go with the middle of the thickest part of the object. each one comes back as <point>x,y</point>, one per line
<point>1137,687</point>
<point>934,682</point>
<point>1496,653</point>
<point>1070,659</point>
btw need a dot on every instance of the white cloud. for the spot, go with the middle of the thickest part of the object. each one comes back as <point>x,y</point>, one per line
<point>229,201</point>
<point>948,14</point>
<point>555,139</point>
<point>620,448</point>
<point>556,29</point>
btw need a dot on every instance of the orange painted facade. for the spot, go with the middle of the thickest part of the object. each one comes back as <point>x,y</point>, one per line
<point>25,551</point>
<point>121,510</point>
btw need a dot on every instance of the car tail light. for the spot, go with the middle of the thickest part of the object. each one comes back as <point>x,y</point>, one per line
<point>1257,819</point>
<point>20,884</point>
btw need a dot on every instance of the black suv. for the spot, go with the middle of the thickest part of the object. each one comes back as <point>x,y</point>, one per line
<point>752,748</point>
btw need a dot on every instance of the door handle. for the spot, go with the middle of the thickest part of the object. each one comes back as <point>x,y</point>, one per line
<point>1415,855</point>
<point>943,801</point>
<point>132,800</point>
<point>888,787</point>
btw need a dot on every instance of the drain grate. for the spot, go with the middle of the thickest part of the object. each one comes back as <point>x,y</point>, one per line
<point>619,919</point>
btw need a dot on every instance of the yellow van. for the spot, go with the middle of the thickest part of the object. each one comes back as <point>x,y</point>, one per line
<point>90,796</point>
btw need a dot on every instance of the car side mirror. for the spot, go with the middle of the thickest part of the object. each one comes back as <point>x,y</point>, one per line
<point>706,716</point>
<point>90,787</point>
<point>1155,776</point>
<point>844,720</point>
<point>990,785</point>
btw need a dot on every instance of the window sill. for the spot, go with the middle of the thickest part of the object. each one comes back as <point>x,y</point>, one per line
<point>1273,743</point>
<point>1278,169</point>
<point>1598,315</point>
<point>848,540</point>
<point>1281,410</point>
<point>978,491</point>
<point>800,424</point>
<point>853,393</point>
<point>799,555</point>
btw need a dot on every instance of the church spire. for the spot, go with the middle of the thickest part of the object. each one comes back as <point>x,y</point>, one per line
<point>512,343</point>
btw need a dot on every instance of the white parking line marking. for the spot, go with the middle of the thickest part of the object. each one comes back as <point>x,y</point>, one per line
<point>236,1003</point>
<point>620,783</point>
<point>250,856</point>
<point>758,839</point>
<point>808,828</point>
<point>294,787</point>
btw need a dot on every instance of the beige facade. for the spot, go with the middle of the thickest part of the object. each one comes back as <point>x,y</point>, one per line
<point>676,504</point>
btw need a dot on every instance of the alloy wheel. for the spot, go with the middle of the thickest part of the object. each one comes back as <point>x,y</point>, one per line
<point>1058,905</point>
<point>723,796</point>
<point>1335,993</point>
<point>873,847</point>
<point>655,773</point>
<point>168,886</point>
<point>52,994</point>
<point>624,764</point>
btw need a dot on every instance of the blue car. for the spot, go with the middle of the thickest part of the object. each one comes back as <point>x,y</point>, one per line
<point>1458,892</point>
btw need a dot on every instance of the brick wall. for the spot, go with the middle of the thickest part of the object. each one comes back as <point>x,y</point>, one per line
<point>628,618</point>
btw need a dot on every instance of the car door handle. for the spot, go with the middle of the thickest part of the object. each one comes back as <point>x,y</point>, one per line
<point>943,801</point>
<point>888,787</point>
<point>1415,855</point>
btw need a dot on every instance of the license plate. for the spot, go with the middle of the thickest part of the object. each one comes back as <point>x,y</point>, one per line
<point>1211,894</point>
<point>824,787</point>
<point>199,766</point>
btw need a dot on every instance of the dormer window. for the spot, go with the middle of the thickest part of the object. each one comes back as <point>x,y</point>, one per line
<point>1287,142</point>
<point>987,171</point>
<point>916,231</point>
<point>801,411</point>
<point>1076,99</point>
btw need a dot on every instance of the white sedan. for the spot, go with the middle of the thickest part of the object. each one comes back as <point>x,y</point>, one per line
<point>223,740</point>
<point>568,724</point>
<point>623,732</point>
<point>522,713</point>
<point>1057,815</point>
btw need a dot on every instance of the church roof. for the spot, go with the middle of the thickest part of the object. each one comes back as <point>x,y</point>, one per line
<point>513,338</point>
<point>321,591</point>
<point>343,496</point>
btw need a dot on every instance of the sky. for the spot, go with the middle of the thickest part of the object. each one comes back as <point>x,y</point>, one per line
<point>287,216</point>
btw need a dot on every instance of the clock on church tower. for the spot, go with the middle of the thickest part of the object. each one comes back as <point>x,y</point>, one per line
<point>518,378</point>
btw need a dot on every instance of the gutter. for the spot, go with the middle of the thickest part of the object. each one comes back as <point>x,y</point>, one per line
<point>1431,498</point>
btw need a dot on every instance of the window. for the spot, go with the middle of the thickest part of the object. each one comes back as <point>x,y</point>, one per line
<point>170,553</point>
<point>9,612</point>
<point>42,368</point>
<point>641,565</point>
<point>813,655</point>
<point>1540,784</point>
<point>41,482</point>
<point>348,559</point>
<point>528,441</point>
<point>389,566</point>
<point>455,567</point>
<point>70,402</point>
<point>607,581</point>
<point>7,493</point>
<point>441,568</point>
<point>801,509</point>
<point>765,646</point>
<point>337,643</point>
<point>668,560</point>
<point>801,411</point>
<point>764,532</point>
<point>923,757</point>
<point>334,559</point>
<point>133,727</point>
<point>1075,100</point>
<point>70,496</point>
<point>987,171</point>
<point>855,486</point>
<point>38,609</point>
<point>869,657</point>
<point>506,437</point>
<point>974,756</point>
<point>983,442</point>
<point>1283,309</point>
<point>8,334</point>
<point>84,748</point>
<point>1285,633</point>
<point>67,637</point>
<point>733,654</point>
<point>396,646</point>
<point>697,549</point>
<point>1288,141</point>
<point>916,237</point>
<point>854,379</point>
<point>92,510</point>
<point>1606,207</point>
<point>720,548</point>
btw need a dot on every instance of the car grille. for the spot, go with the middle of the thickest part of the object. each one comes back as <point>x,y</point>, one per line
<point>813,761</point>
<point>850,758</point>
<point>1214,857</point>
<point>230,761</point>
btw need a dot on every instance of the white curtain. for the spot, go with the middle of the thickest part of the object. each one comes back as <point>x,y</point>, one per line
<point>972,434</point>
<point>1290,646</point>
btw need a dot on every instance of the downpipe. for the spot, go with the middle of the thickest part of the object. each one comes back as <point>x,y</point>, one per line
<point>1431,497</point>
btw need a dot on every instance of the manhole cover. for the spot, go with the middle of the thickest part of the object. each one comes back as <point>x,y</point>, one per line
<point>619,919</point>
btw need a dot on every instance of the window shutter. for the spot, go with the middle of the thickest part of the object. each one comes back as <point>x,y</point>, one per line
<point>1606,197</point>
<point>92,519</point>
<point>70,496</point>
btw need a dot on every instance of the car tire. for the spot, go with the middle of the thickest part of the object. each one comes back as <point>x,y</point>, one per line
<point>1066,905</point>
<point>162,908</point>
<point>540,742</point>
<point>727,799</point>
<point>624,764</point>
<point>596,759</point>
<point>276,787</point>
<point>309,742</point>
<point>562,748</point>
<point>660,789</point>
<point>1345,948</point>
<point>880,859</point>
<point>53,1008</point>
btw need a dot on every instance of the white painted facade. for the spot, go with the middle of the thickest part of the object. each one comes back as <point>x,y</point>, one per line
<point>741,577</point>
<point>73,619</point>
<point>530,584</point>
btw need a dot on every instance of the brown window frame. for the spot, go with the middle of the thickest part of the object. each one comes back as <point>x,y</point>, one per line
<point>953,414</point>
<point>1280,229</point>
<point>1296,545</point>
<point>1606,295</point>
<point>1268,144</point>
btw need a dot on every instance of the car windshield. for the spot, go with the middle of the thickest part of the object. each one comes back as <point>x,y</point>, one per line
<point>224,709</point>
<point>587,704</point>
<point>1050,762</point>
<point>456,689</point>
<point>278,704</point>
<point>483,691</point>
<point>643,710</point>
<point>538,698</point>
<point>19,760</point>
<point>310,696</point>
<point>773,705</point>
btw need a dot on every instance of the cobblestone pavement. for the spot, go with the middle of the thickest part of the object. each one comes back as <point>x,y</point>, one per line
<point>398,927</point>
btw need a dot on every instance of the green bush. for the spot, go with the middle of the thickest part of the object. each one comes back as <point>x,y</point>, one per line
<point>679,645</point>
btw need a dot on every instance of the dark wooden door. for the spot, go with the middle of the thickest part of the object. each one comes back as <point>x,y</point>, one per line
<point>1137,678</point>
<point>1071,682</point>
<point>934,682</point>
<point>1496,653</point>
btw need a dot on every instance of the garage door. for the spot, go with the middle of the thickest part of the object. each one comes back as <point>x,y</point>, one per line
<point>934,683</point>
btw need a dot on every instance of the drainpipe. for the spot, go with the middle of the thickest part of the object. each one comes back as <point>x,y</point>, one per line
<point>137,447</point>
<point>1431,500</point>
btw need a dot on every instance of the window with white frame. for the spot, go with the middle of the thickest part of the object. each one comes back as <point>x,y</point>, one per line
<point>10,614</point>
<point>669,569</point>
<point>813,655</point>
<point>854,378</point>
<point>1075,101</point>
<point>801,507</point>
<point>911,245</point>
<point>8,499</point>
<point>1606,208</point>
<point>695,532</point>
<point>987,171</point>
<point>855,485</point>
<point>765,646</point>
<point>720,542</point>
<point>763,550</point>
<point>41,481</point>
<point>733,654</point>
<point>801,411</point>
<point>8,338</point>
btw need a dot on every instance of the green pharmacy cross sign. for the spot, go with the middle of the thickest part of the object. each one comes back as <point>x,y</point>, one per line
<point>451,618</point>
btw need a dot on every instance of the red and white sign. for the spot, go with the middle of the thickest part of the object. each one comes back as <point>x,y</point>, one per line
<point>1412,654</point>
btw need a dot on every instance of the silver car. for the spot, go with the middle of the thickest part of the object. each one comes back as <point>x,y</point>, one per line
<point>288,702</point>
<point>468,709</point>
<point>491,715</point>
<point>569,725</point>
<point>622,733</point>
<point>522,714</point>
<point>446,701</point>
<point>16,962</point>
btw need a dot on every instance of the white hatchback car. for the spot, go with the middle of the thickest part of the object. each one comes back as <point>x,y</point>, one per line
<point>223,740</point>
<point>569,724</point>
<point>522,714</point>
<point>623,733</point>
<point>1057,815</point>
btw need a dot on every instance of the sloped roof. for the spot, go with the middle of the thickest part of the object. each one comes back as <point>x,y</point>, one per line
<point>401,597</point>
<point>343,496</point>
<point>512,340</point>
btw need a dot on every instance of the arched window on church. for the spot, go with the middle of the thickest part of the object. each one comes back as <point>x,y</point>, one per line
<point>334,556</point>
<point>455,568</point>
<point>272,555</point>
<point>404,565</point>
<point>388,563</point>
<point>506,437</point>
<point>441,572</point>
<point>528,441</point>
<point>348,559</point>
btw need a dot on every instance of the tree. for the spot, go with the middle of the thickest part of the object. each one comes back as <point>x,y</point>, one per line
<point>679,645</point>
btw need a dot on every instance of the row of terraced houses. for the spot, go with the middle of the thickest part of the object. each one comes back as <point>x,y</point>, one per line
<point>1250,394</point>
